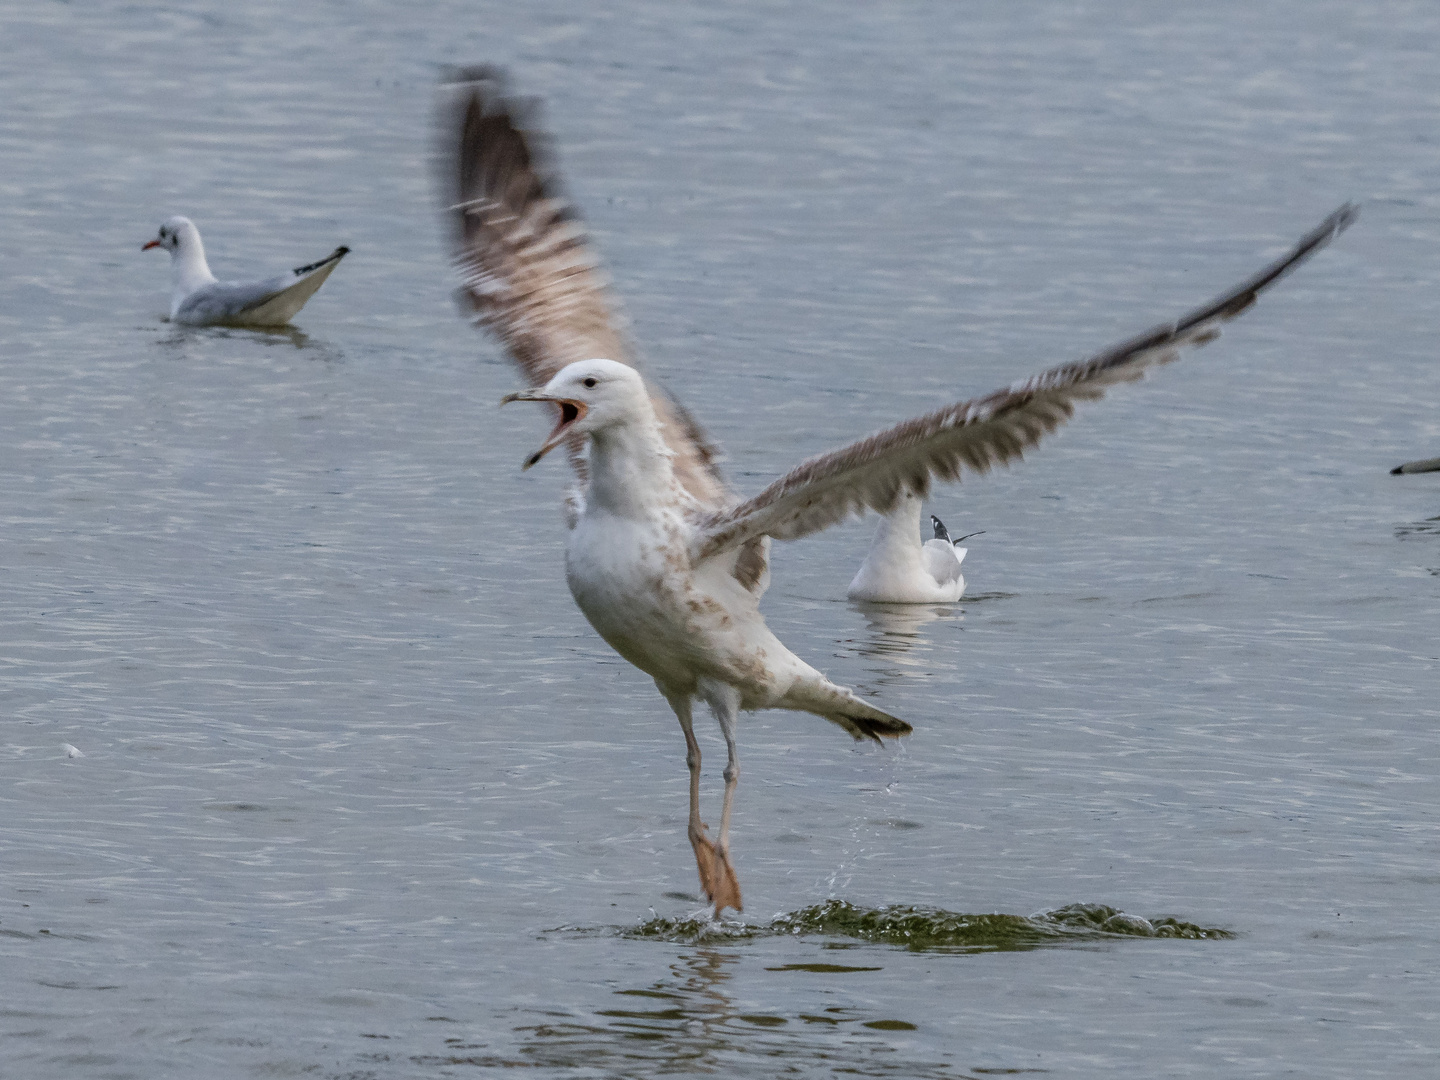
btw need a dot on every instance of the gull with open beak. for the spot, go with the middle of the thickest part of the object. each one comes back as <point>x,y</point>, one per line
<point>667,563</point>
<point>570,412</point>
<point>197,299</point>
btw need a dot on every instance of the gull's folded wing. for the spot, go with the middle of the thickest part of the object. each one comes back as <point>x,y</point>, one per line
<point>526,265</point>
<point>273,302</point>
<point>296,288</point>
<point>980,433</point>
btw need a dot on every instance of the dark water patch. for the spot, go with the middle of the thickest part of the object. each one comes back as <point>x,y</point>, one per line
<point>763,1021</point>
<point>897,823</point>
<point>1418,530</point>
<point>821,969</point>
<point>72,985</point>
<point>48,935</point>
<point>643,1014</point>
<point>933,929</point>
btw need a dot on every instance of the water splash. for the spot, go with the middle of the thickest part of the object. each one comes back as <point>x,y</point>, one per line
<point>932,929</point>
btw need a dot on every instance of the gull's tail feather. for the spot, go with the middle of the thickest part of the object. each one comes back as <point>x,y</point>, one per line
<point>838,705</point>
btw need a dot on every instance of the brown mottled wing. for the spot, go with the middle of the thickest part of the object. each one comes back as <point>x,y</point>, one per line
<point>527,269</point>
<point>980,433</point>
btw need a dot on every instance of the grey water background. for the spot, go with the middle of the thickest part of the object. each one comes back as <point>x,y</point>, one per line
<point>363,796</point>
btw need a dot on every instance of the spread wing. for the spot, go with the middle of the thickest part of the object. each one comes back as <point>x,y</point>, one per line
<point>527,268</point>
<point>979,433</point>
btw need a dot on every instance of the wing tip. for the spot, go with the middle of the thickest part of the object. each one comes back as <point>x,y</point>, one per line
<point>1345,216</point>
<point>487,136</point>
<point>1335,223</point>
<point>335,256</point>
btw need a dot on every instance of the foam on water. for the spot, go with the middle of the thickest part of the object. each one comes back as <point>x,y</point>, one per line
<point>932,929</point>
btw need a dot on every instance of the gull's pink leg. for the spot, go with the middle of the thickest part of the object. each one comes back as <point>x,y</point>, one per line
<point>724,702</point>
<point>717,878</point>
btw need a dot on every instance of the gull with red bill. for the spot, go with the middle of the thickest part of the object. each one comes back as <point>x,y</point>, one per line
<point>197,299</point>
<point>665,560</point>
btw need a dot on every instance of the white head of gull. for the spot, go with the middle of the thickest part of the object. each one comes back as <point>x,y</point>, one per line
<point>667,563</point>
<point>197,299</point>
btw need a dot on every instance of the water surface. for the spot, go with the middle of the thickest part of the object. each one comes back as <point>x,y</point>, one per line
<point>363,796</point>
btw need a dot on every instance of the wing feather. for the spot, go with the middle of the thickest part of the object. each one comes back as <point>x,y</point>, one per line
<point>527,269</point>
<point>981,433</point>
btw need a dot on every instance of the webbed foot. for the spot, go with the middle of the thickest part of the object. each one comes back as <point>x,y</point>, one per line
<point>717,876</point>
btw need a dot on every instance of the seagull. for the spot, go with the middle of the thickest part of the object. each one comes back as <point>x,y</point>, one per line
<point>197,299</point>
<point>1428,465</point>
<point>664,559</point>
<point>899,569</point>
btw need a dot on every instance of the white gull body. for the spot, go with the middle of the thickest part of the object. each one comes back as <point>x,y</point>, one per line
<point>666,561</point>
<point>900,569</point>
<point>197,299</point>
<point>693,625</point>
<point>690,625</point>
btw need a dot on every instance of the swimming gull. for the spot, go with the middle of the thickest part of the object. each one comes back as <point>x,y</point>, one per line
<point>1428,465</point>
<point>899,569</point>
<point>197,299</point>
<point>666,562</point>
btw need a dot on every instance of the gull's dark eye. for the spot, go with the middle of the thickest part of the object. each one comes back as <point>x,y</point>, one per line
<point>590,383</point>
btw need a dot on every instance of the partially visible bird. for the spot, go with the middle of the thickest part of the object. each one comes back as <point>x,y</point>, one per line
<point>666,562</point>
<point>197,299</point>
<point>899,569</point>
<point>1428,465</point>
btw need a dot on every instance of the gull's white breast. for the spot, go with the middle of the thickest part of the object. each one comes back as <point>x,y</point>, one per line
<point>634,583</point>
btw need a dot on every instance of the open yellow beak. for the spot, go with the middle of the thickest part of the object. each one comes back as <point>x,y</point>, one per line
<point>571,411</point>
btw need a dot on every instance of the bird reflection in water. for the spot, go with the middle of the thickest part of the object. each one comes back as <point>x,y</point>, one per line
<point>183,341</point>
<point>685,1018</point>
<point>688,1022</point>
<point>899,638</point>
